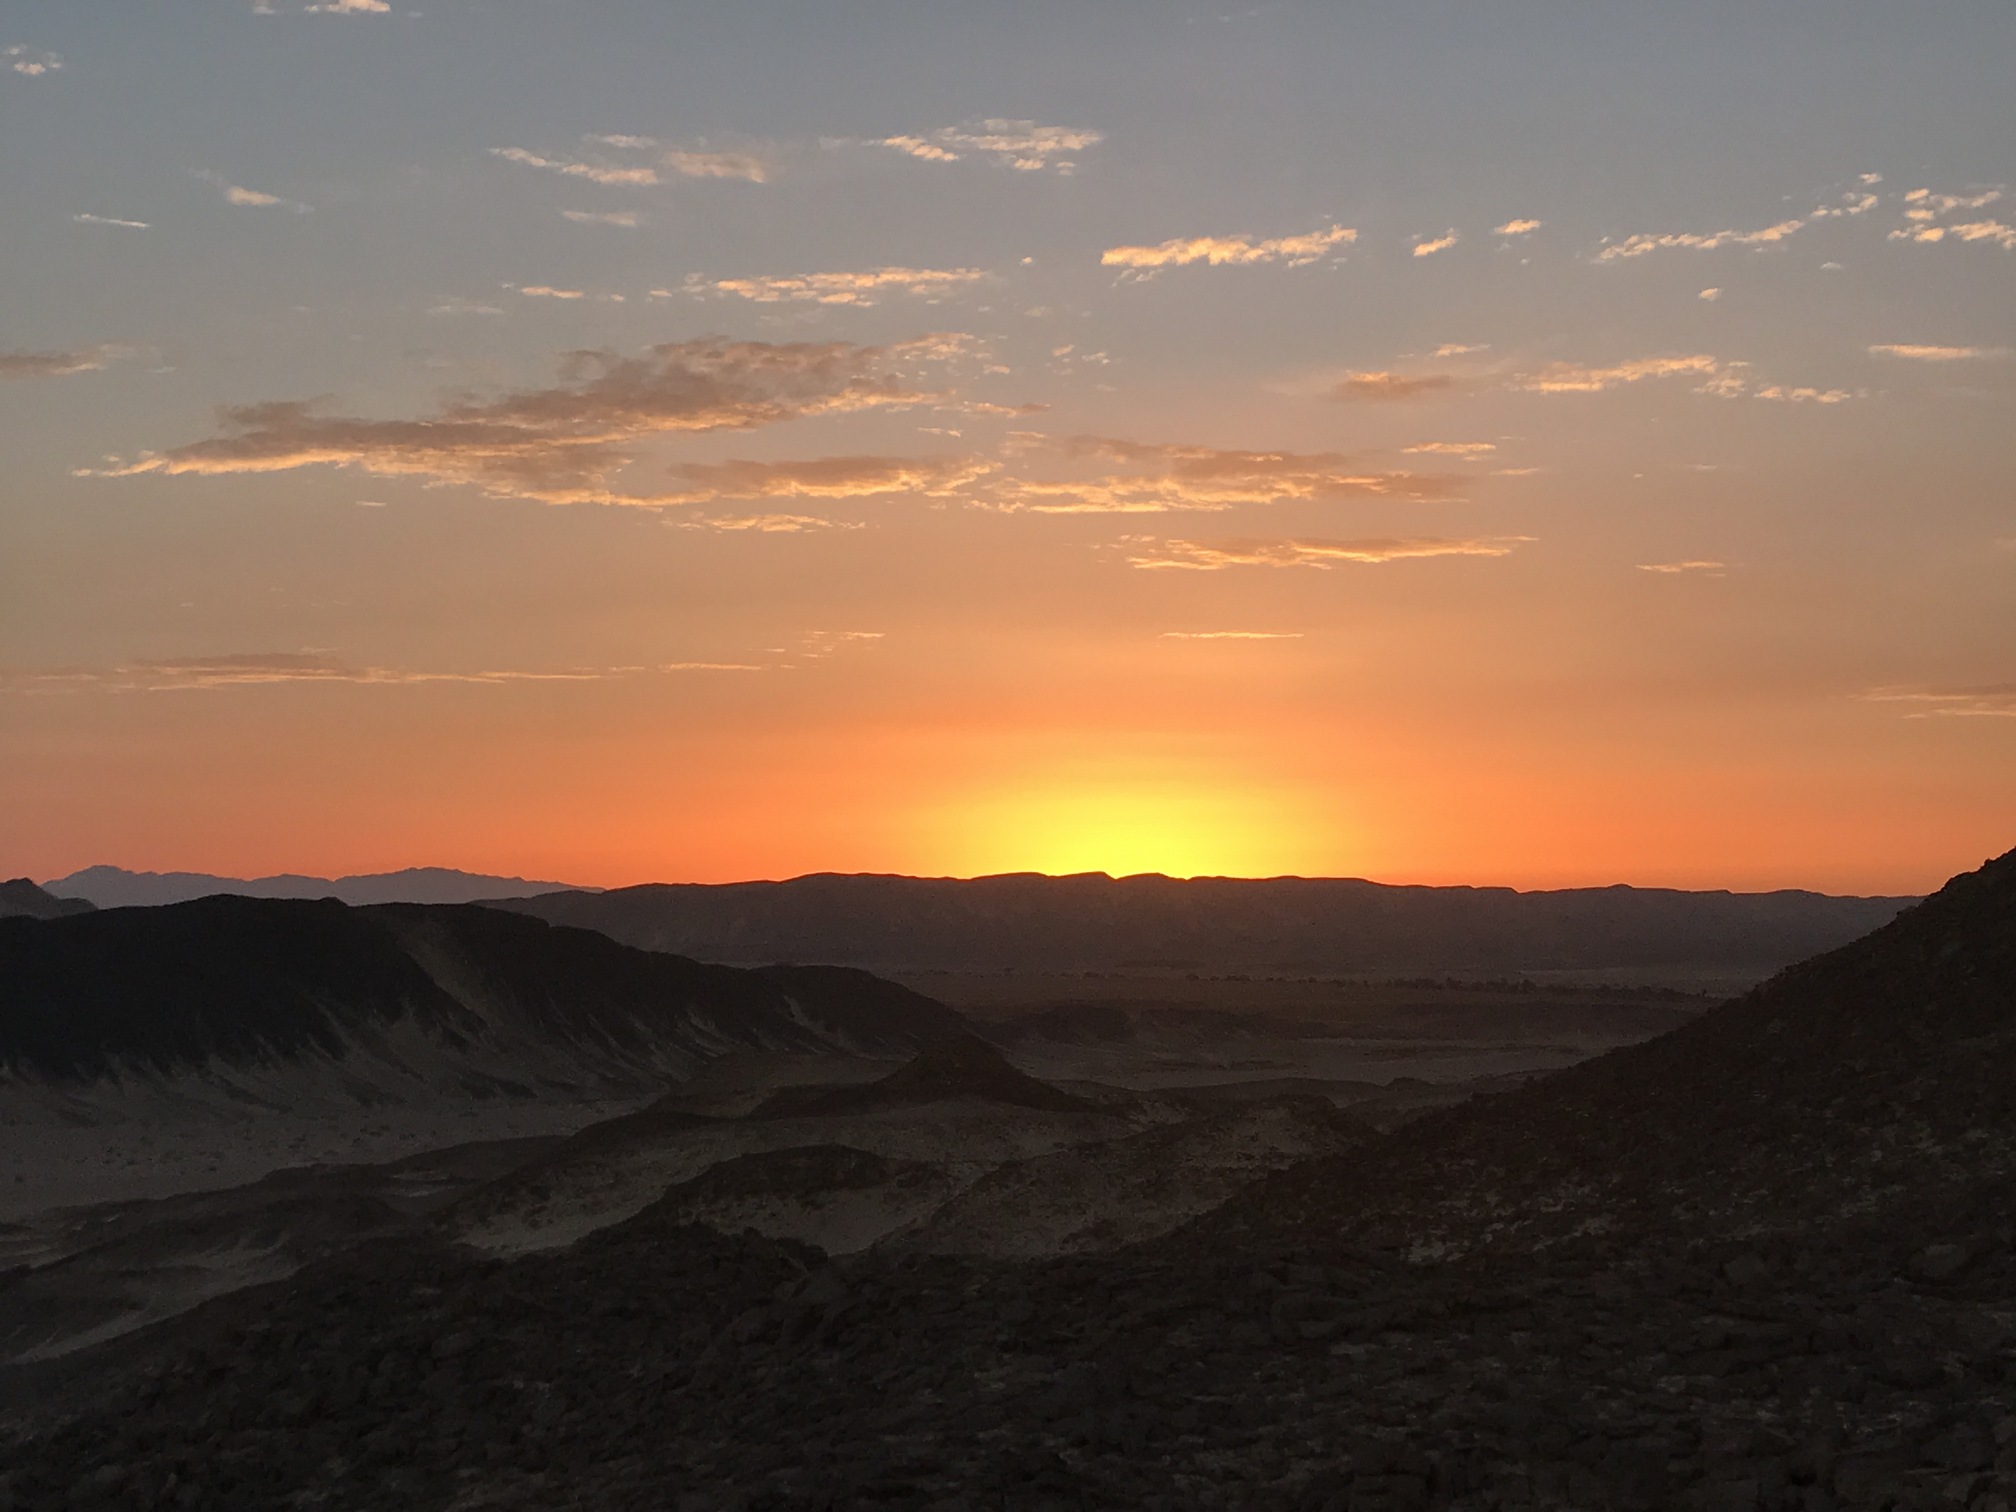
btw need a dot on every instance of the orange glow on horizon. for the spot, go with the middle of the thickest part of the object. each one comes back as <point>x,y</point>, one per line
<point>1170,824</point>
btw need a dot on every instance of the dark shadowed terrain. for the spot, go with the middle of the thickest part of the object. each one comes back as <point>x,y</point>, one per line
<point>1765,1259</point>
<point>1036,923</point>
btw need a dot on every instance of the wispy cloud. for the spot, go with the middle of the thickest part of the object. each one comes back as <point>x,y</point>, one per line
<point>349,8</point>
<point>1440,243</point>
<point>1700,241</point>
<point>1517,228</point>
<point>1574,378</point>
<point>1232,251</point>
<point>750,164</point>
<point>31,61</point>
<point>1722,379</point>
<point>1919,353</point>
<point>1997,233</point>
<point>1390,386</point>
<point>60,364</point>
<point>1991,700</point>
<point>602,217</point>
<point>565,443</point>
<point>1778,393</point>
<point>457,305</point>
<point>1857,201</point>
<point>1674,569</point>
<point>632,175</point>
<point>547,291</point>
<point>1451,448</point>
<point>1023,145</point>
<point>826,478</point>
<point>770,524</point>
<point>1461,348</point>
<point>1202,556</point>
<point>1925,208</point>
<point>1177,477</point>
<point>244,669</point>
<point>827,642</point>
<point>1235,635</point>
<point>249,199</point>
<point>859,288</point>
<point>109,220</point>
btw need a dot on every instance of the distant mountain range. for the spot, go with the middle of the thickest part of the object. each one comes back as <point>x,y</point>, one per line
<point>115,887</point>
<point>21,898</point>
<point>1036,923</point>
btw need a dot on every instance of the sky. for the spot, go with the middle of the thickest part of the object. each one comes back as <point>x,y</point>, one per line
<point>1535,443</point>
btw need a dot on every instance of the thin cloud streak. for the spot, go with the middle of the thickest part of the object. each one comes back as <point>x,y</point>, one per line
<point>1674,569</point>
<point>860,288</point>
<point>196,673</point>
<point>1231,251</point>
<point>1918,353</point>
<point>1720,379</point>
<point>564,443</point>
<point>1993,701</point>
<point>826,478</point>
<point>1022,145</point>
<point>61,364</point>
<point>1178,477</point>
<point>1855,202</point>
<point>1203,556</point>
<point>1441,243</point>
<point>1641,244</point>
<point>1386,387</point>
<point>594,173</point>
<point>110,220</point>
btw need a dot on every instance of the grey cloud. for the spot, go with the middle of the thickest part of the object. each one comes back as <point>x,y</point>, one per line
<point>60,364</point>
<point>564,443</point>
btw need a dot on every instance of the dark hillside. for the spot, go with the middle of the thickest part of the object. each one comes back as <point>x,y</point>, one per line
<point>1883,1069</point>
<point>244,981</point>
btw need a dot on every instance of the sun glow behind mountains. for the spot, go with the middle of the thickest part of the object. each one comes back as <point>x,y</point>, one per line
<point>1124,825</point>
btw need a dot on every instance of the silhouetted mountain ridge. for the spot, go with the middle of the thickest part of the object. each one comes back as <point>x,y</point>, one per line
<point>1094,921</point>
<point>115,887</point>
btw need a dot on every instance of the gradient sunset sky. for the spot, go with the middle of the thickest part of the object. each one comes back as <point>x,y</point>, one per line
<point>1514,442</point>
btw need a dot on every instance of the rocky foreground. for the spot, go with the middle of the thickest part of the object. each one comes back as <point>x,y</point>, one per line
<point>655,1367</point>
<point>1782,1275</point>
